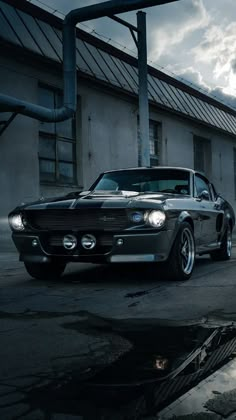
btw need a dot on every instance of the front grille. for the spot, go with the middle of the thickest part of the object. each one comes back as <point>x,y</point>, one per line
<point>78,219</point>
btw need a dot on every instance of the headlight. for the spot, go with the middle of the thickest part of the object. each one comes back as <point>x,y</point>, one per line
<point>16,222</point>
<point>156,218</point>
<point>137,217</point>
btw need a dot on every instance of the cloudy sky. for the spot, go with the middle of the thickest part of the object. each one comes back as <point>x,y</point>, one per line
<point>194,39</point>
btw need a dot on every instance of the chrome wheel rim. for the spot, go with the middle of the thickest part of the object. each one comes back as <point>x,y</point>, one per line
<point>187,251</point>
<point>229,242</point>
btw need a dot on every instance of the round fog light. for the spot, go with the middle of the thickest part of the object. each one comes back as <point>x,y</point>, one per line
<point>136,217</point>
<point>88,241</point>
<point>69,242</point>
<point>34,242</point>
<point>120,242</point>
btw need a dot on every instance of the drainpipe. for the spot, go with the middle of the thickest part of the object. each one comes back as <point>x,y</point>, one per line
<point>108,8</point>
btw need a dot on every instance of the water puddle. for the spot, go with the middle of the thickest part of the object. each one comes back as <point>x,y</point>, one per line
<point>163,363</point>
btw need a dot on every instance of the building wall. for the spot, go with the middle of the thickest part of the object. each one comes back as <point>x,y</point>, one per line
<point>108,133</point>
<point>19,178</point>
<point>106,139</point>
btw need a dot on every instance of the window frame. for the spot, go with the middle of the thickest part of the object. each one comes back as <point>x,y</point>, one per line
<point>57,137</point>
<point>157,141</point>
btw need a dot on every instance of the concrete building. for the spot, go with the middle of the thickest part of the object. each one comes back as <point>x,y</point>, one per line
<point>187,127</point>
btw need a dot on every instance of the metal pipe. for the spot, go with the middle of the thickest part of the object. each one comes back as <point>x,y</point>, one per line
<point>68,109</point>
<point>143,90</point>
<point>108,8</point>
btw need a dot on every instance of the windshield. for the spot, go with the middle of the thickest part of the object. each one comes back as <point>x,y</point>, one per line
<point>145,180</point>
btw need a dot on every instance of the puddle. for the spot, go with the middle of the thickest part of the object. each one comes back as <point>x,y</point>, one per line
<point>163,363</point>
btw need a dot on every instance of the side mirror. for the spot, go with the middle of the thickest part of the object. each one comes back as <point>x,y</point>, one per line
<point>204,195</point>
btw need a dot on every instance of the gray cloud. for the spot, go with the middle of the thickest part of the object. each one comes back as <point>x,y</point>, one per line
<point>219,93</point>
<point>195,79</point>
<point>192,77</point>
<point>175,26</point>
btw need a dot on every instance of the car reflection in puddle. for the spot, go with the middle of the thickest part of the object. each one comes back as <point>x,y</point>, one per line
<point>164,363</point>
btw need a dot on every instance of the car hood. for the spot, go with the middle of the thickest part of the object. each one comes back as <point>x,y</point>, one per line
<point>98,199</point>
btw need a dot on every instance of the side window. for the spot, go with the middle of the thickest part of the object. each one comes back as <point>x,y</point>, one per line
<point>201,185</point>
<point>213,192</point>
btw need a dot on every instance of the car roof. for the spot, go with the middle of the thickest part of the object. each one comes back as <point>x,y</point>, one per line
<point>151,168</point>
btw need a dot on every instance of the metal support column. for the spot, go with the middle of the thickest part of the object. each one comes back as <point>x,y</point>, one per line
<point>143,90</point>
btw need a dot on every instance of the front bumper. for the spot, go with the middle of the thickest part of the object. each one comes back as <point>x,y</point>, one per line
<point>135,247</point>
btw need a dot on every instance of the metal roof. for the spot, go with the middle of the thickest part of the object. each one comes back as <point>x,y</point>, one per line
<point>27,26</point>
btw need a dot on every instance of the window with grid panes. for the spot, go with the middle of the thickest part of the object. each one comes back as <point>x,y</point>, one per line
<point>154,142</point>
<point>57,143</point>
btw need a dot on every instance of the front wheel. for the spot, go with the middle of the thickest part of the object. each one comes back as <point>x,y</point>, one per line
<point>46,271</point>
<point>182,256</point>
<point>224,253</point>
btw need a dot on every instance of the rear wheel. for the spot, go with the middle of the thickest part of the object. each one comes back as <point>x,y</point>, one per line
<point>47,271</point>
<point>182,257</point>
<point>224,253</point>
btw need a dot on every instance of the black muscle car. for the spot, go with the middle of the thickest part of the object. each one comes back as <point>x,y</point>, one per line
<point>161,215</point>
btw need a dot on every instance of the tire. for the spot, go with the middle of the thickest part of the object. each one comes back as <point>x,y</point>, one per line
<point>47,271</point>
<point>182,257</point>
<point>224,253</point>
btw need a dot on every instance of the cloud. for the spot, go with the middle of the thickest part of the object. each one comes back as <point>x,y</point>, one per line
<point>217,49</point>
<point>192,77</point>
<point>195,79</point>
<point>220,94</point>
<point>186,17</point>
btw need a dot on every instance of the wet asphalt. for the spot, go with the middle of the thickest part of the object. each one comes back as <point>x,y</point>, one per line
<point>52,330</point>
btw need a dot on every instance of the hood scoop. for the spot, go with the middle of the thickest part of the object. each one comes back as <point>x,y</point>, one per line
<point>110,194</point>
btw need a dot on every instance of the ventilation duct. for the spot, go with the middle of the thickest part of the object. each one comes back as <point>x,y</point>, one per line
<point>108,8</point>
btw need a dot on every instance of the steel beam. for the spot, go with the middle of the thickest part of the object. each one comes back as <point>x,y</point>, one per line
<point>143,90</point>
<point>124,23</point>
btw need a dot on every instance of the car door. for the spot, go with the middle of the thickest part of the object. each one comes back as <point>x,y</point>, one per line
<point>207,211</point>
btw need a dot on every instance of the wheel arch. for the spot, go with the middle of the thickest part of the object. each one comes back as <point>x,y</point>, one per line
<point>228,221</point>
<point>231,223</point>
<point>185,216</point>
